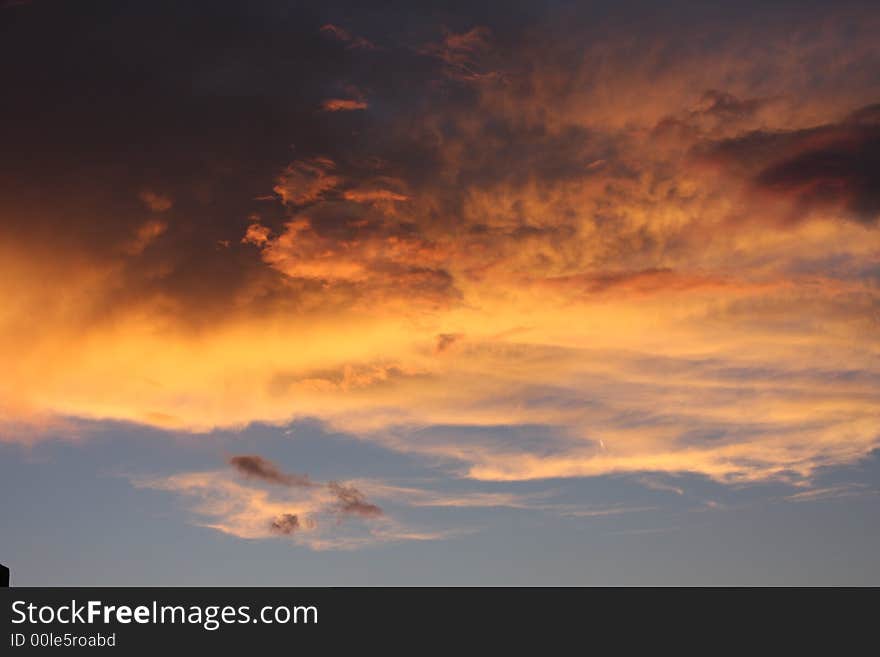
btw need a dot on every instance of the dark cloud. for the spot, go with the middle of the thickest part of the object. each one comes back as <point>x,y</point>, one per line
<point>208,125</point>
<point>726,105</point>
<point>445,341</point>
<point>351,502</point>
<point>354,42</point>
<point>213,124</point>
<point>286,524</point>
<point>457,188</point>
<point>835,166</point>
<point>644,281</point>
<point>461,54</point>
<point>252,466</point>
<point>716,114</point>
<point>843,173</point>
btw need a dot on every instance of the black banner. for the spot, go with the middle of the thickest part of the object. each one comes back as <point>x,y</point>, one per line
<point>146,620</point>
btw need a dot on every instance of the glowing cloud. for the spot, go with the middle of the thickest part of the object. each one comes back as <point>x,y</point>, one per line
<point>343,104</point>
<point>593,263</point>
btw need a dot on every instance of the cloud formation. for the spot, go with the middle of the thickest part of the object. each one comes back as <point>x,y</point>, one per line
<point>285,524</point>
<point>155,202</point>
<point>320,517</point>
<point>256,467</point>
<point>343,104</point>
<point>306,181</point>
<point>337,516</point>
<point>349,500</point>
<point>352,41</point>
<point>830,168</point>
<point>566,247</point>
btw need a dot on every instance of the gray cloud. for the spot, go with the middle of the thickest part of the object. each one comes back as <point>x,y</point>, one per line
<point>351,502</point>
<point>252,466</point>
<point>834,165</point>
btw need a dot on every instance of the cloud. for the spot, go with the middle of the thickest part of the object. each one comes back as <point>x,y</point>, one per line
<point>338,516</point>
<point>601,512</point>
<point>831,493</point>
<point>328,517</point>
<point>256,234</point>
<point>460,52</point>
<point>256,467</point>
<point>286,524</point>
<point>373,195</point>
<point>350,501</point>
<point>376,260</point>
<point>663,254</point>
<point>658,484</point>
<point>146,234</point>
<point>343,104</point>
<point>727,106</point>
<point>445,341</point>
<point>353,42</point>
<point>156,202</point>
<point>306,181</point>
<point>832,167</point>
<point>425,497</point>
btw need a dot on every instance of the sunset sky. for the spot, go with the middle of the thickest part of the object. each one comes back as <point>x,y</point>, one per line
<point>439,293</point>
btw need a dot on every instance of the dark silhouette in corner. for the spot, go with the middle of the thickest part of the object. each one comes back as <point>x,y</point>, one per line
<point>4,575</point>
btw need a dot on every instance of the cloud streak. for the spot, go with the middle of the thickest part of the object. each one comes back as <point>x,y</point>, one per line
<point>335,516</point>
<point>349,501</point>
<point>252,466</point>
<point>338,515</point>
<point>343,104</point>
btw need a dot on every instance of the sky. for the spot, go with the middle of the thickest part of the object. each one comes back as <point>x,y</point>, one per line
<point>497,293</point>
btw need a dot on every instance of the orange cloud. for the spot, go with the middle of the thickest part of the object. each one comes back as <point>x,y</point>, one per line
<point>343,105</point>
<point>662,263</point>
<point>256,234</point>
<point>145,235</point>
<point>460,53</point>
<point>373,195</point>
<point>307,516</point>
<point>156,202</point>
<point>378,259</point>
<point>306,181</point>
<point>337,516</point>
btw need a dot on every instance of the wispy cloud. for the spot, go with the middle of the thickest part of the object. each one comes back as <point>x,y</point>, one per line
<point>156,202</point>
<point>601,512</point>
<point>332,516</point>
<point>252,466</point>
<point>352,41</point>
<point>831,493</point>
<point>655,483</point>
<point>349,500</point>
<point>460,53</point>
<point>264,502</point>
